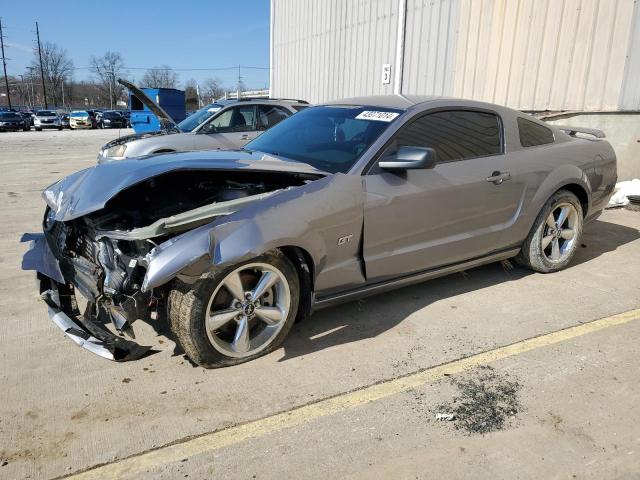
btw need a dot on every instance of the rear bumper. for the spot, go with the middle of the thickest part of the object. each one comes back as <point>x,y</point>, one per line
<point>59,297</point>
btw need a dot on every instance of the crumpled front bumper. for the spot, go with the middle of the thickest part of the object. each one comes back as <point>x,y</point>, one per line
<point>60,300</point>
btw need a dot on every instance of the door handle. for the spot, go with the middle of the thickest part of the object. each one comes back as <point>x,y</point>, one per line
<point>498,177</point>
<point>245,137</point>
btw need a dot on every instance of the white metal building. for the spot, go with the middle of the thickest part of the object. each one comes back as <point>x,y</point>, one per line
<point>580,55</point>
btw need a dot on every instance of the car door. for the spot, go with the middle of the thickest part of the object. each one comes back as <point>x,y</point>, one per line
<point>422,219</point>
<point>270,115</point>
<point>232,128</point>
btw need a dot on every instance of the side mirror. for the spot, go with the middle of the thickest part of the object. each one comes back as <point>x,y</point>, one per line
<point>409,158</point>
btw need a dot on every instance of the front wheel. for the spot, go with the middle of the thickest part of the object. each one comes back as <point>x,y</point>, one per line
<point>555,235</point>
<point>237,314</point>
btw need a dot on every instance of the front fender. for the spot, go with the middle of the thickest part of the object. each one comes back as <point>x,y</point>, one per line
<point>311,217</point>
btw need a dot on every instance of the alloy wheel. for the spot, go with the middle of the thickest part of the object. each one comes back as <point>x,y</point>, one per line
<point>559,234</point>
<point>247,310</point>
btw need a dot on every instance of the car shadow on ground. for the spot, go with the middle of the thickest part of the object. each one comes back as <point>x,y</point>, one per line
<point>368,318</point>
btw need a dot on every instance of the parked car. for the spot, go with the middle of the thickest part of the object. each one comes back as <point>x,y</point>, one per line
<point>12,121</point>
<point>46,119</point>
<point>28,119</point>
<point>64,119</point>
<point>31,115</point>
<point>112,119</point>
<point>81,119</point>
<point>127,116</point>
<point>218,126</point>
<point>340,201</point>
<point>95,115</point>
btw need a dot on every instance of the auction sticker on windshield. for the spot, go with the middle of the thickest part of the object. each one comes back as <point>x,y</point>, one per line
<point>377,116</point>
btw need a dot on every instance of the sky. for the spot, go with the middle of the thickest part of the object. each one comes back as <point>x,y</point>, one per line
<point>187,34</point>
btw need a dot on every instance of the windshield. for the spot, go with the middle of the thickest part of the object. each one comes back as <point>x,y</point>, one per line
<point>10,116</point>
<point>46,113</point>
<point>192,121</point>
<point>329,138</point>
<point>79,114</point>
<point>111,115</point>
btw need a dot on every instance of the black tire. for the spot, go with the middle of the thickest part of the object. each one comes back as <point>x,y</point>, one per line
<point>532,255</point>
<point>38,129</point>
<point>187,306</point>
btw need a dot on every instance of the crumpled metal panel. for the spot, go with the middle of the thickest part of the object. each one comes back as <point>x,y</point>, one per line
<point>89,190</point>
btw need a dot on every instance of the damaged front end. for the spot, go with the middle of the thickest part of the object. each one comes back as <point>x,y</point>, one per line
<point>72,286</point>
<point>92,268</point>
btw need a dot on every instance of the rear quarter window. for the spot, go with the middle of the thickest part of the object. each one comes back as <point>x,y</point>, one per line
<point>533,134</point>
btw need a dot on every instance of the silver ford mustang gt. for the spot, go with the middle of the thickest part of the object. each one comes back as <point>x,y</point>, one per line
<point>339,201</point>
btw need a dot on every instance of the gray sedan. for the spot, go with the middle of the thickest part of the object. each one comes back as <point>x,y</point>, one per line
<point>218,126</point>
<point>337,202</point>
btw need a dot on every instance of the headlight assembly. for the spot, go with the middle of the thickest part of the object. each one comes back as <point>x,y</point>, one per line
<point>116,151</point>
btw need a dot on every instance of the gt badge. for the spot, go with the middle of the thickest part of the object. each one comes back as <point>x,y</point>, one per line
<point>344,240</point>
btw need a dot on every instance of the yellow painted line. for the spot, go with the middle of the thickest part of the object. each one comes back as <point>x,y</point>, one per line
<point>209,442</point>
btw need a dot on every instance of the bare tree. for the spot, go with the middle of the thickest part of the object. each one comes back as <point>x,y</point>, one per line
<point>211,89</point>
<point>56,66</point>
<point>191,94</point>
<point>109,68</point>
<point>160,77</point>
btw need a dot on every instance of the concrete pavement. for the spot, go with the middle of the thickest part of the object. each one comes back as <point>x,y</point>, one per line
<point>63,410</point>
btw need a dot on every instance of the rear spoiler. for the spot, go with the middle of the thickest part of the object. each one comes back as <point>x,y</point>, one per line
<point>588,131</point>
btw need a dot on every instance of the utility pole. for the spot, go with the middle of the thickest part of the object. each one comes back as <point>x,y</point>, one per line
<point>28,92</point>
<point>112,80</point>
<point>4,64</point>
<point>44,88</point>
<point>239,80</point>
<point>33,92</point>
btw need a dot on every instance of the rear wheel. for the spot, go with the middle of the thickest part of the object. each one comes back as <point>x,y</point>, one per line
<point>555,235</point>
<point>237,314</point>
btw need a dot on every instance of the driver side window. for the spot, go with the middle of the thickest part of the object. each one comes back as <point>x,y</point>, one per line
<point>454,135</point>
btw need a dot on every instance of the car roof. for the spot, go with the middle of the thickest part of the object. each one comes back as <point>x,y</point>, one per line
<point>230,101</point>
<point>404,102</point>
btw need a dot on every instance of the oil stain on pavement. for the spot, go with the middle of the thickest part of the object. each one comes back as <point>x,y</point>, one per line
<point>485,402</point>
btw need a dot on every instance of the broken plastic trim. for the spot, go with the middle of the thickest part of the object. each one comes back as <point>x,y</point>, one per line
<point>185,220</point>
<point>87,334</point>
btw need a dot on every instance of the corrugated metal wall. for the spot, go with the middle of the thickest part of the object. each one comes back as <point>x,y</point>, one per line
<point>325,49</point>
<point>430,39</point>
<point>631,84</point>
<point>543,54</point>
<point>527,54</point>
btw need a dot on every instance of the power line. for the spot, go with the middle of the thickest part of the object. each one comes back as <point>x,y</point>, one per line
<point>197,69</point>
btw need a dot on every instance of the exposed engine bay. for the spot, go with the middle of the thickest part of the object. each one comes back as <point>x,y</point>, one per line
<point>104,255</point>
